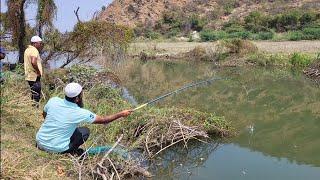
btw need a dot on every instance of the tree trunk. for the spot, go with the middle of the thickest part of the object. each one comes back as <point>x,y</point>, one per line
<point>22,34</point>
<point>40,30</point>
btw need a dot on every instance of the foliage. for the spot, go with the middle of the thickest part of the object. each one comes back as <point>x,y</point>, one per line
<point>196,23</point>
<point>265,35</point>
<point>199,53</point>
<point>176,22</point>
<point>88,40</point>
<point>93,37</point>
<point>300,60</point>
<point>295,35</point>
<point>241,35</point>
<point>4,24</point>
<point>210,35</point>
<point>307,18</point>
<point>17,24</point>
<point>311,33</point>
<point>152,35</point>
<point>239,46</point>
<point>264,59</point>
<point>256,22</point>
<point>45,14</point>
<point>228,6</point>
<point>286,21</point>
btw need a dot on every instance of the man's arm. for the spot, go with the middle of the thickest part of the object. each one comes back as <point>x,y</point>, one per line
<point>108,119</point>
<point>35,65</point>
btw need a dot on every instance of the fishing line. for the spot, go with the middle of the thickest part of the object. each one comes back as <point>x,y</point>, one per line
<point>178,90</point>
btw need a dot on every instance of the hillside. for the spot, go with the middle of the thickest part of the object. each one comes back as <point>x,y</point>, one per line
<point>147,12</point>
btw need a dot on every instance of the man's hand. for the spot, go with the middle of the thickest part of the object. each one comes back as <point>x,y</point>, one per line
<point>126,113</point>
<point>110,118</point>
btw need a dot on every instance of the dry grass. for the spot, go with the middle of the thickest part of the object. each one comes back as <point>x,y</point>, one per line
<point>19,122</point>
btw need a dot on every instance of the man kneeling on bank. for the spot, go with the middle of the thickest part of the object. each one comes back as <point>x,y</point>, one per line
<point>59,132</point>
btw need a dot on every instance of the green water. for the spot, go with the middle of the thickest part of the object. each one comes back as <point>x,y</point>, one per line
<point>276,113</point>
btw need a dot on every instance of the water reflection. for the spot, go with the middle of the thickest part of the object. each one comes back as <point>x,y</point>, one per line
<point>183,163</point>
<point>276,112</point>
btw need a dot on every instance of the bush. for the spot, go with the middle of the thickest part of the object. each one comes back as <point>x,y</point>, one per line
<point>209,35</point>
<point>152,35</point>
<point>265,35</point>
<point>263,59</point>
<point>311,33</point>
<point>256,22</point>
<point>259,59</point>
<point>173,32</point>
<point>196,22</point>
<point>307,18</point>
<point>233,27</point>
<point>241,35</point>
<point>295,35</point>
<point>239,46</point>
<point>300,60</point>
<point>286,21</point>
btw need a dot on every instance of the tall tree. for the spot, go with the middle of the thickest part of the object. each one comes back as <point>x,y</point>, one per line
<point>17,24</point>
<point>47,10</point>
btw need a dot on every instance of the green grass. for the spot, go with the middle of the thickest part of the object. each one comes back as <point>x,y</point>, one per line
<point>296,60</point>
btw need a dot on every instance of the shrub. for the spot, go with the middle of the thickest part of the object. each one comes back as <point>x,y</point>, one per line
<point>196,22</point>
<point>265,35</point>
<point>173,32</point>
<point>300,60</point>
<point>311,33</point>
<point>152,35</point>
<point>259,59</point>
<point>198,53</point>
<point>307,18</point>
<point>239,46</point>
<point>209,35</point>
<point>295,35</point>
<point>263,59</point>
<point>232,28</point>
<point>241,35</point>
<point>256,22</point>
<point>286,21</point>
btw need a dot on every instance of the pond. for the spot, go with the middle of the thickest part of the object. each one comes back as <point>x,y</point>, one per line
<point>276,113</point>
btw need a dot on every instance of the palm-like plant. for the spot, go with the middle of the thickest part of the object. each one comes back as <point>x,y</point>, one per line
<point>47,11</point>
<point>17,24</point>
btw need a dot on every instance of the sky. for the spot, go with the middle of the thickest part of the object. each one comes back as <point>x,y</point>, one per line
<point>66,19</point>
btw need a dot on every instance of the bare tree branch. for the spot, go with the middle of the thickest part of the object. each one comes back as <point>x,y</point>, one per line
<point>76,13</point>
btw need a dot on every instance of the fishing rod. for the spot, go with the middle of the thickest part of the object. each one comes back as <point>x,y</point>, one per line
<point>177,90</point>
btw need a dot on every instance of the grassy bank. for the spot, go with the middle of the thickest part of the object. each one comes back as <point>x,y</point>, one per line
<point>151,130</point>
<point>232,52</point>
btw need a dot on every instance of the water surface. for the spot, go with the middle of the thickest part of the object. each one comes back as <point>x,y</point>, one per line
<point>275,112</point>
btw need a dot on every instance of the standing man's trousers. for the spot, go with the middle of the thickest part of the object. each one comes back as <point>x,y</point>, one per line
<point>35,87</point>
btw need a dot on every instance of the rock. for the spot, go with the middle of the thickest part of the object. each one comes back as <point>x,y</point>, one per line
<point>195,36</point>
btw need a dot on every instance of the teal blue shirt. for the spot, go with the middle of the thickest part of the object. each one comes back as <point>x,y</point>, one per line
<point>61,121</point>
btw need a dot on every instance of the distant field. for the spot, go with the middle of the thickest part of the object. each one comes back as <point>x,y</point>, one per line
<point>267,46</point>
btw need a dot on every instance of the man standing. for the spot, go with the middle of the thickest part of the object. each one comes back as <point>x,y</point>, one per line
<point>33,67</point>
<point>59,132</point>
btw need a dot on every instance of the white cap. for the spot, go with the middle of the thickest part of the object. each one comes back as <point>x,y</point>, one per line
<point>72,90</point>
<point>36,39</point>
